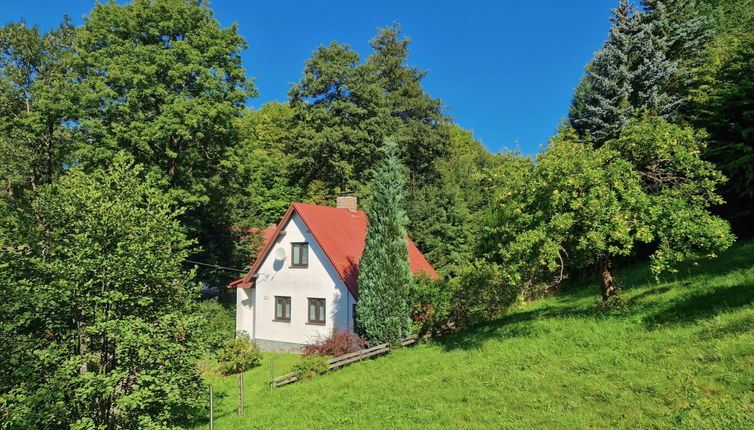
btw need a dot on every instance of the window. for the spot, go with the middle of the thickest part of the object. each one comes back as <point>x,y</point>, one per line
<point>316,311</point>
<point>282,308</point>
<point>353,315</point>
<point>300,253</point>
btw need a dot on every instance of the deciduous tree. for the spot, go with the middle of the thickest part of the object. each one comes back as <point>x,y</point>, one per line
<point>99,329</point>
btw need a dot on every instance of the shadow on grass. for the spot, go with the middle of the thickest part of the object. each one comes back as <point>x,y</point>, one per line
<point>574,301</point>
<point>474,337</point>
<point>703,305</point>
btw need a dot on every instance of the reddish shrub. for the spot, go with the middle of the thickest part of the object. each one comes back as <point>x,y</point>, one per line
<point>338,343</point>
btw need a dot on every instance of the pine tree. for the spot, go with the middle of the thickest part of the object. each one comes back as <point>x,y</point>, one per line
<point>418,119</point>
<point>382,313</point>
<point>604,96</point>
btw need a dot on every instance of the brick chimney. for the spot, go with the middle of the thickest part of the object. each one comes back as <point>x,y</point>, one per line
<point>347,202</point>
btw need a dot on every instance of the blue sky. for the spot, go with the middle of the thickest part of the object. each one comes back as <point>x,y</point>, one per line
<point>507,69</point>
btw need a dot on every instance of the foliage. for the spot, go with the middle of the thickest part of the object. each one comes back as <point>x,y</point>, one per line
<point>727,113</point>
<point>219,323</point>
<point>578,206</point>
<point>382,313</point>
<point>678,357</point>
<point>430,302</point>
<point>650,60</point>
<point>100,323</point>
<point>344,108</point>
<point>310,366</point>
<point>36,103</point>
<point>446,212</point>
<point>334,345</point>
<point>161,80</point>
<point>602,105</point>
<point>239,355</point>
<point>483,291</point>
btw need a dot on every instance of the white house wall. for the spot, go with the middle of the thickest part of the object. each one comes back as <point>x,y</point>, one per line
<point>256,307</point>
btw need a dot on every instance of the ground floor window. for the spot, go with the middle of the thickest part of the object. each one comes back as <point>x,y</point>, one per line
<point>317,311</point>
<point>282,308</point>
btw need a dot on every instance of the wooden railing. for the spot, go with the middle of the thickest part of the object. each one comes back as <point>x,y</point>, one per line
<point>343,360</point>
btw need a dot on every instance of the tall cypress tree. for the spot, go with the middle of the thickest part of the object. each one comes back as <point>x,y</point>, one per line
<point>603,99</point>
<point>382,313</point>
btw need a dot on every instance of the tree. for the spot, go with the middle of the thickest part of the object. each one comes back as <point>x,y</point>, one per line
<point>650,60</point>
<point>447,209</point>
<point>36,103</point>
<point>164,82</point>
<point>684,34</point>
<point>382,312</point>
<point>344,109</point>
<point>101,315</point>
<point>681,186</point>
<point>575,207</point>
<point>579,206</point>
<point>338,117</point>
<point>653,69</point>
<point>725,108</point>
<point>419,125</point>
<point>602,101</point>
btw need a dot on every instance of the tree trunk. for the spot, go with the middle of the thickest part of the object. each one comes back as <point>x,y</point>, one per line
<point>607,282</point>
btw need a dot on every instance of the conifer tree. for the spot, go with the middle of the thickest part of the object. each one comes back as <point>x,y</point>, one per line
<point>671,48</point>
<point>382,313</point>
<point>654,71</point>
<point>604,96</point>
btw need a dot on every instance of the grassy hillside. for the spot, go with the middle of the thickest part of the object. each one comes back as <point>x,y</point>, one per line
<point>680,355</point>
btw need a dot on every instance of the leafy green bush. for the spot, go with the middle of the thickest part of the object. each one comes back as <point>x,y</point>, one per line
<point>218,323</point>
<point>483,291</point>
<point>430,301</point>
<point>239,355</point>
<point>311,366</point>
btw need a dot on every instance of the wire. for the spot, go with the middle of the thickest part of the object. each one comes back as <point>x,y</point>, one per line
<point>215,266</point>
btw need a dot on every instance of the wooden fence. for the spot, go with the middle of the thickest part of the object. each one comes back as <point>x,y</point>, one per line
<point>343,360</point>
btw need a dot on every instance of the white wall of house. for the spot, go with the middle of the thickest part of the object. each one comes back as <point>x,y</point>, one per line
<point>255,310</point>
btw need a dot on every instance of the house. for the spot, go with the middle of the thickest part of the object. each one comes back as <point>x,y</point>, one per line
<point>304,282</point>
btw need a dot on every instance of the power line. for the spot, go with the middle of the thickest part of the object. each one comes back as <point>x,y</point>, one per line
<point>215,266</point>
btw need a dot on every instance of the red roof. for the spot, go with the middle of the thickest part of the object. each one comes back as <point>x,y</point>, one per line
<point>341,234</point>
<point>267,234</point>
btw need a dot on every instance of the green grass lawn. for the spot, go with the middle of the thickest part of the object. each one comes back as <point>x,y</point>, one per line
<point>680,355</point>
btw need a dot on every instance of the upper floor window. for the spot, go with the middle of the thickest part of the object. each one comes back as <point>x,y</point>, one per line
<point>300,254</point>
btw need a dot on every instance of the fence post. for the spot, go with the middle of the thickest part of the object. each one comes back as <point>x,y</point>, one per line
<point>240,394</point>
<point>211,410</point>
<point>272,367</point>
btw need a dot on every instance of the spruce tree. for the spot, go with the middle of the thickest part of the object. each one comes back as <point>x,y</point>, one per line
<point>382,313</point>
<point>654,71</point>
<point>670,49</point>
<point>651,60</point>
<point>604,96</point>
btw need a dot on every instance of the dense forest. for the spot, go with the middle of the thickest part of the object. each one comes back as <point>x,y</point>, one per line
<point>128,148</point>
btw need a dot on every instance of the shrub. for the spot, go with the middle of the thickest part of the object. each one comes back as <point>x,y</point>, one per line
<point>218,324</point>
<point>239,355</point>
<point>430,301</point>
<point>310,366</point>
<point>484,291</point>
<point>338,343</point>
